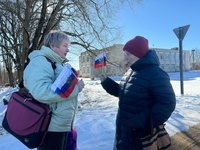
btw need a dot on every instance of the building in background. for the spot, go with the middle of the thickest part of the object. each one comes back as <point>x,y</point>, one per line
<point>115,65</point>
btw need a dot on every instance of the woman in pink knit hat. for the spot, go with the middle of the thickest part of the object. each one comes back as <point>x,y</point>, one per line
<point>144,92</point>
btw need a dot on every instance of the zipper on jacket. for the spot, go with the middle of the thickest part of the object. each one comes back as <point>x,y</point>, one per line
<point>126,81</point>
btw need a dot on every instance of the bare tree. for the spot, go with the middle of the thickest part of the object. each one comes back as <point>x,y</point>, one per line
<point>197,59</point>
<point>24,23</point>
<point>8,61</point>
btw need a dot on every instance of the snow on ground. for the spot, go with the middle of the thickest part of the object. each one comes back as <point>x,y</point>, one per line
<point>95,118</point>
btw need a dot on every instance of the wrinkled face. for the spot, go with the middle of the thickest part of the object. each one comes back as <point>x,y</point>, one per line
<point>62,49</point>
<point>129,58</point>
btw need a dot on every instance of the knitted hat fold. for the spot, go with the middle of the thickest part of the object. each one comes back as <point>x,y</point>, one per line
<point>137,46</point>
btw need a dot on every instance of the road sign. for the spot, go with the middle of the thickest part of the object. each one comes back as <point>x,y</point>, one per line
<point>181,31</point>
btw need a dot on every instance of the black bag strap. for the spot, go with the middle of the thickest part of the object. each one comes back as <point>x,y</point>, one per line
<point>53,64</point>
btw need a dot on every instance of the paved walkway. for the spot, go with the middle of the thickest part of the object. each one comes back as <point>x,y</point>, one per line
<point>187,140</point>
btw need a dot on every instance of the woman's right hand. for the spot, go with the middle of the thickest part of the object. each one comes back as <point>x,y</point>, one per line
<point>103,77</point>
<point>80,85</point>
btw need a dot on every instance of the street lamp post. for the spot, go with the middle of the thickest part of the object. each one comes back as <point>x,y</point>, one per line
<point>193,59</point>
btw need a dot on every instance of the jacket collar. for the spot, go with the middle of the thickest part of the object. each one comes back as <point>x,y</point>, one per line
<point>149,59</point>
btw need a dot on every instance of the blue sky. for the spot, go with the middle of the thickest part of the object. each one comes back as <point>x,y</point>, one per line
<point>156,19</point>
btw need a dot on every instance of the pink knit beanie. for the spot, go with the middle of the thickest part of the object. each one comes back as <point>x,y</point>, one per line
<point>138,46</point>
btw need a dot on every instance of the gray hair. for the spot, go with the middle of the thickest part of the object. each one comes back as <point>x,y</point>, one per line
<point>55,38</point>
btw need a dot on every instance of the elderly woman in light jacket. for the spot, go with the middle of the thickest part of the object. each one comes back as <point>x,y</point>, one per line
<point>38,78</point>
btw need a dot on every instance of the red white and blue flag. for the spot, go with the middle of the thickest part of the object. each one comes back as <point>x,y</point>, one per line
<point>100,60</point>
<point>66,81</point>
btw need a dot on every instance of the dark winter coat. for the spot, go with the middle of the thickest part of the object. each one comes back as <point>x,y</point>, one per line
<point>144,89</point>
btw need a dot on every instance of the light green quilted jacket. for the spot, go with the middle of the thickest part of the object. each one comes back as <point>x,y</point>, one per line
<point>38,78</point>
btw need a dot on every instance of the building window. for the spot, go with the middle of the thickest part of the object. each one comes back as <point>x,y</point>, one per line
<point>167,56</point>
<point>173,56</point>
<point>173,68</point>
<point>83,69</point>
<point>177,56</point>
<point>161,56</point>
<point>83,59</point>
